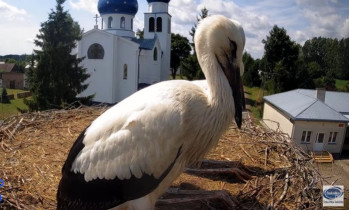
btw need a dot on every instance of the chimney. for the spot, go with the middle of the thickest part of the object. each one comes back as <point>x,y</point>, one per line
<point>321,94</point>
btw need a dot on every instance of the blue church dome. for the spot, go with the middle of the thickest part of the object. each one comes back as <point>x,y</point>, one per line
<point>164,1</point>
<point>129,7</point>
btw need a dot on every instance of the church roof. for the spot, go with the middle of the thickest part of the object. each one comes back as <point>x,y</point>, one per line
<point>129,7</point>
<point>164,1</point>
<point>147,44</point>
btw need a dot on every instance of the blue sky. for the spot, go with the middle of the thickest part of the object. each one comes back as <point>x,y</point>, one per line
<point>303,19</point>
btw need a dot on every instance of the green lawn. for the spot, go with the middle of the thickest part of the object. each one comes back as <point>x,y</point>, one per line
<point>7,110</point>
<point>340,84</point>
<point>254,100</point>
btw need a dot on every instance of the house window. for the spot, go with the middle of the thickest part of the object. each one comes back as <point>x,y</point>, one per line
<point>159,24</point>
<point>95,51</point>
<point>155,56</point>
<point>306,135</point>
<point>151,24</point>
<point>122,22</point>
<point>320,138</point>
<point>125,71</point>
<point>332,138</point>
<point>110,22</point>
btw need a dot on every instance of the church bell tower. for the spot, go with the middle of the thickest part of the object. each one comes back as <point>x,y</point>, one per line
<point>157,23</point>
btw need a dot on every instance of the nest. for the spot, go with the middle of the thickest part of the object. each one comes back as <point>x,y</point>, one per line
<point>268,170</point>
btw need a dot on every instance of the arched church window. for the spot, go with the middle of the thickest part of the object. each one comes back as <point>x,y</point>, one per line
<point>155,56</point>
<point>125,71</point>
<point>110,22</point>
<point>151,24</point>
<point>95,51</point>
<point>159,24</point>
<point>122,22</point>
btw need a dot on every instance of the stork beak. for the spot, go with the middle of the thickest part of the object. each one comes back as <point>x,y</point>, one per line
<point>237,88</point>
<point>232,73</point>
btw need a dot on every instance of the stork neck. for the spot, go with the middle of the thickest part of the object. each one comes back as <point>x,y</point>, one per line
<point>220,93</point>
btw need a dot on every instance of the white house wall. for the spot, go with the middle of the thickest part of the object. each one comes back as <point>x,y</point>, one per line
<point>320,127</point>
<point>274,119</point>
<point>100,70</point>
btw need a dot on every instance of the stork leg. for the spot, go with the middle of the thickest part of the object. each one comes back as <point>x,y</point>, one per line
<point>190,196</point>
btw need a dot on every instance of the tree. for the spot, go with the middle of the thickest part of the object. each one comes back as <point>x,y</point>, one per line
<point>190,66</point>
<point>4,97</point>
<point>251,76</point>
<point>140,33</point>
<point>58,77</point>
<point>343,59</point>
<point>180,49</point>
<point>281,55</point>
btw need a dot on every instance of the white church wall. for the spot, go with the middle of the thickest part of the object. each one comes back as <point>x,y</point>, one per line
<point>100,70</point>
<point>150,69</point>
<point>127,53</point>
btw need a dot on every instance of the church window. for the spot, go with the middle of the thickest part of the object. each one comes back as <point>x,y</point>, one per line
<point>131,23</point>
<point>110,22</point>
<point>125,71</point>
<point>151,24</point>
<point>155,56</point>
<point>95,51</point>
<point>159,24</point>
<point>122,22</point>
<point>169,26</point>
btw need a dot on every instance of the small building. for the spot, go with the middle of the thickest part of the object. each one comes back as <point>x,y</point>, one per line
<point>10,76</point>
<point>317,120</point>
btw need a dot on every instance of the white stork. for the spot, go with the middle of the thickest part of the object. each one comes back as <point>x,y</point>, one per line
<point>132,153</point>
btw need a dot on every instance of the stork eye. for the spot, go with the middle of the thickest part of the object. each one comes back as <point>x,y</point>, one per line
<point>233,48</point>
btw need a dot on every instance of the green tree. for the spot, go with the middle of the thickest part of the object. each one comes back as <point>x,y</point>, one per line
<point>190,66</point>
<point>140,33</point>
<point>4,97</point>
<point>58,77</point>
<point>281,55</point>
<point>343,54</point>
<point>251,76</point>
<point>180,49</point>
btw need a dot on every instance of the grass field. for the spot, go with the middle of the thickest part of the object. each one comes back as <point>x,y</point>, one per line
<point>254,100</point>
<point>340,84</point>
<point>7,110</point>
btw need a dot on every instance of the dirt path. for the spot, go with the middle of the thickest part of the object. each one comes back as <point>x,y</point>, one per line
<point>337,173</point>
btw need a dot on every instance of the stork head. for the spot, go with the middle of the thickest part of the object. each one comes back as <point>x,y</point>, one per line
<point>224,39</point>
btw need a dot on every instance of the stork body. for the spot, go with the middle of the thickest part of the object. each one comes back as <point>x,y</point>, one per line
<point>131,154</point>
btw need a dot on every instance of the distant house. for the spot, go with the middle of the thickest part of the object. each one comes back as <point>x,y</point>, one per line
<point>10,76</point>
<point>317,120</point>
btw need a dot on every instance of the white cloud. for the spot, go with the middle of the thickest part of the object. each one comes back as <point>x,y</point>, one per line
<point>88,5</point>
<point>345,28</point>
<point>19,29</point>
<point>324,18</point>
<point>10,12</point>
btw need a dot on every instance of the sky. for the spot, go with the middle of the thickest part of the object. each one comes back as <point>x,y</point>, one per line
<point>303,19</point>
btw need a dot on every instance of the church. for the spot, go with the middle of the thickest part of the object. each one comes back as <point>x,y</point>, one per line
<point>118,63</point>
